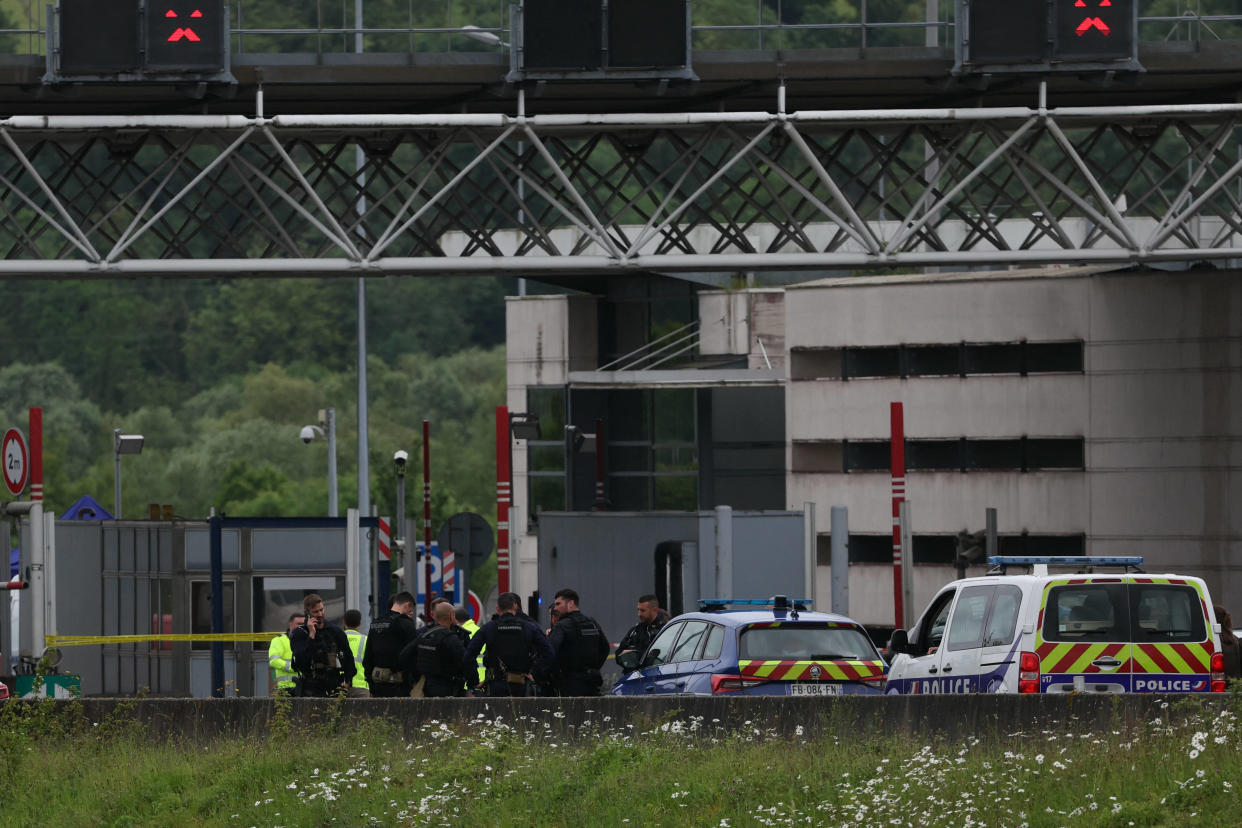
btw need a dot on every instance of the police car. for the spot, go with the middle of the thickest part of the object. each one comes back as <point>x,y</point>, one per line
<point>773,647</point>
<point>1122,631</point>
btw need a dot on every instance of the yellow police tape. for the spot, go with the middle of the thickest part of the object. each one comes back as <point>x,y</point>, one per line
<point>84,640</point>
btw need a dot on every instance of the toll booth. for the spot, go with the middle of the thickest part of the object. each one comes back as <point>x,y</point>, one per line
<point>131,578</point>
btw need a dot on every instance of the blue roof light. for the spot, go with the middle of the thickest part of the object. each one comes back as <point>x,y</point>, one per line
<point>775,602</point>
<point>1066,560</point>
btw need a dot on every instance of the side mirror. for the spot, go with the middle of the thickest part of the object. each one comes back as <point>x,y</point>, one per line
<point>899,643</point>
<point>628,660</point>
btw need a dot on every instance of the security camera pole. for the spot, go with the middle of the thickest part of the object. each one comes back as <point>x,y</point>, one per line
<point>327,421</point>
<point>327,430</point>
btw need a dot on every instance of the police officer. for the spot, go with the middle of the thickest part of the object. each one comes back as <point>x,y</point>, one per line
<point>437,655</point>
<point>321,653</point>
<point>516,649</point>
<point>280,656</point>
<point>389,634</point>
<point>650,619</point>
<point>358,647</point>
<point>580,646</point>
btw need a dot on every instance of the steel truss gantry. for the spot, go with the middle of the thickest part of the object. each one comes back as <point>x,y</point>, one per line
<point>354,195</point>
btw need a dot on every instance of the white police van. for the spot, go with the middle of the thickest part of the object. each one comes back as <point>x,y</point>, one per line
<point>1080,632</point>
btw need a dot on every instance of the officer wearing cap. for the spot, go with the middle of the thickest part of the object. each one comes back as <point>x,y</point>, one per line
<point>517,650</point>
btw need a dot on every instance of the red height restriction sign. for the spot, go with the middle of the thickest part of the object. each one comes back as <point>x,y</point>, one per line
<point>16,461</point>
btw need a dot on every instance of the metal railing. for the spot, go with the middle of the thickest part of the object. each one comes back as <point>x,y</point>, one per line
<point>330,26</point>
<point>674,345</point>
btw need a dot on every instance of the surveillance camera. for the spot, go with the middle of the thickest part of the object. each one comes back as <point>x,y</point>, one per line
<point>308,434</point>
<point>401,458</point>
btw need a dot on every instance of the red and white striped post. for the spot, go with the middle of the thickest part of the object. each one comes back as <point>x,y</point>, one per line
<point>898,469</point>
<point>36,454</point>
<point>427,513</point>
<point>383,538</point>
<point>504,497</point>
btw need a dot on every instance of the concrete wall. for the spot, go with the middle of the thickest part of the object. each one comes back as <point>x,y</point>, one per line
<point>1159,406</point>
<point>953,717</point>
<point>546,338</point>
<point>609,558</point>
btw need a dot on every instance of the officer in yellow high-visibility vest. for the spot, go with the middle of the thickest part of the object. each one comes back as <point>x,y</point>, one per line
<point>280,657</point>
<point>358,689</point>
<point>467,623</point>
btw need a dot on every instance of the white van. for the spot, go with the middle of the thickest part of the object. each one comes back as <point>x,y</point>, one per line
<point>1085,632</point>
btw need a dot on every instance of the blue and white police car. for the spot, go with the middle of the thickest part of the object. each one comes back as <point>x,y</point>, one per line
<point>772,647</point>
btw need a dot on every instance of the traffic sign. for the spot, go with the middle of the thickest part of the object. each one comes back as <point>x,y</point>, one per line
<point>98,37</point>
<point>475,606</point>
<point>186,36</point>
<point>16,461</point>
<point>469,535</point>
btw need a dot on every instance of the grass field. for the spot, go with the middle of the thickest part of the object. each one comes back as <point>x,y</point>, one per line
<point>1184,767</point>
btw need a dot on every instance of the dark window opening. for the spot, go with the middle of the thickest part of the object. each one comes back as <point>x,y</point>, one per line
<point>962,454</point>
<point>945,360</point>
<point>941,549</point>
<point>873,362</point>
<point>933,360</point>
<point>993,359</point>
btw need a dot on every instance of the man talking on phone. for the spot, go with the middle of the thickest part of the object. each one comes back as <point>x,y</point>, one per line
<point>321,654</point>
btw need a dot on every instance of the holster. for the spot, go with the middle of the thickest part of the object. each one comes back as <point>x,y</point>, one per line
<point>386,676</point>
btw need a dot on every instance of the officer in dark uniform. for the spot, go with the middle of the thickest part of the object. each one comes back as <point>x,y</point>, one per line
<point>516,649</point>
<point>385,640</point>
<point>321,653</point>
<point>651,619</point>
<point>438,655</point>
<point>580,646</point>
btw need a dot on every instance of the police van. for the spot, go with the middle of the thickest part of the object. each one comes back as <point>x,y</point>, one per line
<point>1120,631</point>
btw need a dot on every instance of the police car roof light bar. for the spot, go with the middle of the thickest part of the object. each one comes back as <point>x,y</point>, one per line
<point>1131,563</point>
<point>775,602</point>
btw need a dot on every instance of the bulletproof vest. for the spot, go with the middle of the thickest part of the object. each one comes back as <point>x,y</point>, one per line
<point>509,644</point>
<point>429,662</point>
<point>581,648</point>
<point>323,657</point>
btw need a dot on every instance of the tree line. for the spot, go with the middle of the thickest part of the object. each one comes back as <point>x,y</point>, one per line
<point>220,376</point>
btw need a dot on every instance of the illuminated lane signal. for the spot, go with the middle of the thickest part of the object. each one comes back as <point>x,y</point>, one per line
<point>186,36</point>
<point>1046,36</point>
<point>1094,30</point>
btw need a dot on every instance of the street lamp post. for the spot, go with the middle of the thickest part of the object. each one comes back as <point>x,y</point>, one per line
<point>122,444</point>
<point>326,430</point>
<point>400,458</point>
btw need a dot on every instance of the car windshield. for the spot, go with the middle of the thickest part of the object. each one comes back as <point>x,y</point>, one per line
<point>802,642</point>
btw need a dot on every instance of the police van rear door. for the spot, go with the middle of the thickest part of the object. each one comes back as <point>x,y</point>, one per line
<point>1083,636</point>
<point>1173,645</point>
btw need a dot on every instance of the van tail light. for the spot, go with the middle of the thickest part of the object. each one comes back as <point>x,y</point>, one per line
<point>1028,673</point>
<point>733,683</point>
<point>1218,672</point>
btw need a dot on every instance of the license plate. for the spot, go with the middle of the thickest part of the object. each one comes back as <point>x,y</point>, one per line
<point>814,689</point>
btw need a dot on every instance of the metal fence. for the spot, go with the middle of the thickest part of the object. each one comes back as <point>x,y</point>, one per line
<point>413,26</point>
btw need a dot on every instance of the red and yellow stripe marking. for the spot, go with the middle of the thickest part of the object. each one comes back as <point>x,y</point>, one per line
<point>1171,658</point>
<point>1077,658</point>
<point>801,670</point>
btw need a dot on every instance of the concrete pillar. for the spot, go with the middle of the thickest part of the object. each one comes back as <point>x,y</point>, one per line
<point>724,552</point>
<point>840,559</point>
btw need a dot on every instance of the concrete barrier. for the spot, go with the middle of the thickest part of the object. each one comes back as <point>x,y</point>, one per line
<point>949,717</point>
